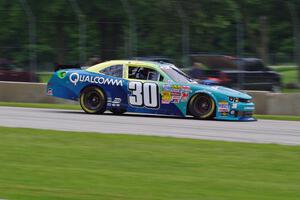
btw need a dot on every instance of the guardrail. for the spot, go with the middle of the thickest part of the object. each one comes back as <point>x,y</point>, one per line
<point>276,103</point>
<point>27,93</point>
<point>266,102</point>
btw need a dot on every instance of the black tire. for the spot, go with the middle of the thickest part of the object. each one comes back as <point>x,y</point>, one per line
<point>93,100</point>
<point>202,106</point>
<point>117,111</point>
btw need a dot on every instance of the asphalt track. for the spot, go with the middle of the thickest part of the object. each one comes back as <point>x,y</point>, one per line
<point>262,131</point>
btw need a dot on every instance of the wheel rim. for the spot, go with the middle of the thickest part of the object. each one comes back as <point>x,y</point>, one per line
<point>92,100</point>
<point>203,105</point>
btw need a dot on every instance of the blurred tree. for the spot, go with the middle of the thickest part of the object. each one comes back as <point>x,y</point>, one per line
<point>296,32</point>
<point>267,27</point>
<point>158,27</point>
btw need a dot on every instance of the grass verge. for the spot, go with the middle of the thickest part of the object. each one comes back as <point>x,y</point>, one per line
<point>279,117</point>
<point>289,74</point>
<point>77,107</point>
<point>41,105</point>
<point>289,90</point>
<point>43,165</point>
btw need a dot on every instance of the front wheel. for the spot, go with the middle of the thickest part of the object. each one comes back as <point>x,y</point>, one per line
<point>202,106</point>
<point>92,100</point>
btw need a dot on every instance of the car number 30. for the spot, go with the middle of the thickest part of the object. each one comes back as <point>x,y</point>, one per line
<point>143,94</point>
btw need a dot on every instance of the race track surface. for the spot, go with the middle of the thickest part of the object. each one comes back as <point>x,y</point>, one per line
<point>262,131</point>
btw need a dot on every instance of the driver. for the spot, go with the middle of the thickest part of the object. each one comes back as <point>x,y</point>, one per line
<point>143,73</point>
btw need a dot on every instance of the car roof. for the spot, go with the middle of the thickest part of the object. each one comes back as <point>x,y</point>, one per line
<point>154,58</point>
<point>105,64</point>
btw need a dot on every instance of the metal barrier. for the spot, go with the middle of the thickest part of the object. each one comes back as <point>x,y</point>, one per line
<point>276,103</point>
<point>27,93</point>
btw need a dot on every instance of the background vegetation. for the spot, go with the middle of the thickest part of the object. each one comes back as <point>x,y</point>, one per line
<point>124,28</point>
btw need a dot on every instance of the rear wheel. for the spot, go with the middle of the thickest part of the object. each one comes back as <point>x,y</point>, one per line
<point>93,100</point>
<point>202,106</point>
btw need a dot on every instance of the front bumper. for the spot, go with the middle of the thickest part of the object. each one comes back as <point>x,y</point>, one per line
<point>237,112</point>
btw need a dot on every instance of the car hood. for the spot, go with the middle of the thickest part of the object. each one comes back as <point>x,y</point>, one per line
<point>224,90</point>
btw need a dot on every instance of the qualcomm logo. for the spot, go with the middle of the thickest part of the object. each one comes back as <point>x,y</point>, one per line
<point>75,78</point>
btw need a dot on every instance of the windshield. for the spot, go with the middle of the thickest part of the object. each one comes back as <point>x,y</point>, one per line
<point>177,75</point>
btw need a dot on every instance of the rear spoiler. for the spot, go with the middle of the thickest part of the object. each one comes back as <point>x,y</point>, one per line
<point>59,67</point>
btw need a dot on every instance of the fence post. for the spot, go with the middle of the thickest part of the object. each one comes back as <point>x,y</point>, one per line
<point>185,33</point>
<point>81,31</point>
<point>132,40</point>
<point>296,32</point>
<point>239,46</point>
<point>31,35</point>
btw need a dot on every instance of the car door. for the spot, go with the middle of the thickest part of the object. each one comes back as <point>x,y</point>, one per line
<point>144,89</point>
<point>116,95</point>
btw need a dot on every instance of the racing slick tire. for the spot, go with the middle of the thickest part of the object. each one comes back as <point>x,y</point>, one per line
<point>202,106</point>
<point>93,100</point>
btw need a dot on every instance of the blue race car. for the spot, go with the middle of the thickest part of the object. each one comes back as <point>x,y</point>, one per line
<point>148,87</point>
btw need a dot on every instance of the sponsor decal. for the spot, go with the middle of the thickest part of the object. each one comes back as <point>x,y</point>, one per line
<point>115,103</point>
<point>234,106</point>
<point>215,87</point>
<point>174,93</point>
<point>167,87</point>
<point>224,113</point>
<point>223,107</point>
<point>50,92</point>
<point>184,96</point>
<point>166,97</point>
<point>176,87</point>
<point>176,96</point>
<point>75,78</point>
<point>249,108</point>
<point>117,100</point>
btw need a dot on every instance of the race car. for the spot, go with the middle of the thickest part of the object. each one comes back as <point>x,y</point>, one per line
<point>149,87</point>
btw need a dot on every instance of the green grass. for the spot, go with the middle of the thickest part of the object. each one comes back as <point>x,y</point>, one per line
<point>279,117</point>
<point>290,76</point>
<point>41,105</point>
<point>288,90</point>
<point>289,73</point>
<point>46,165</point>
<point>284,67</point>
